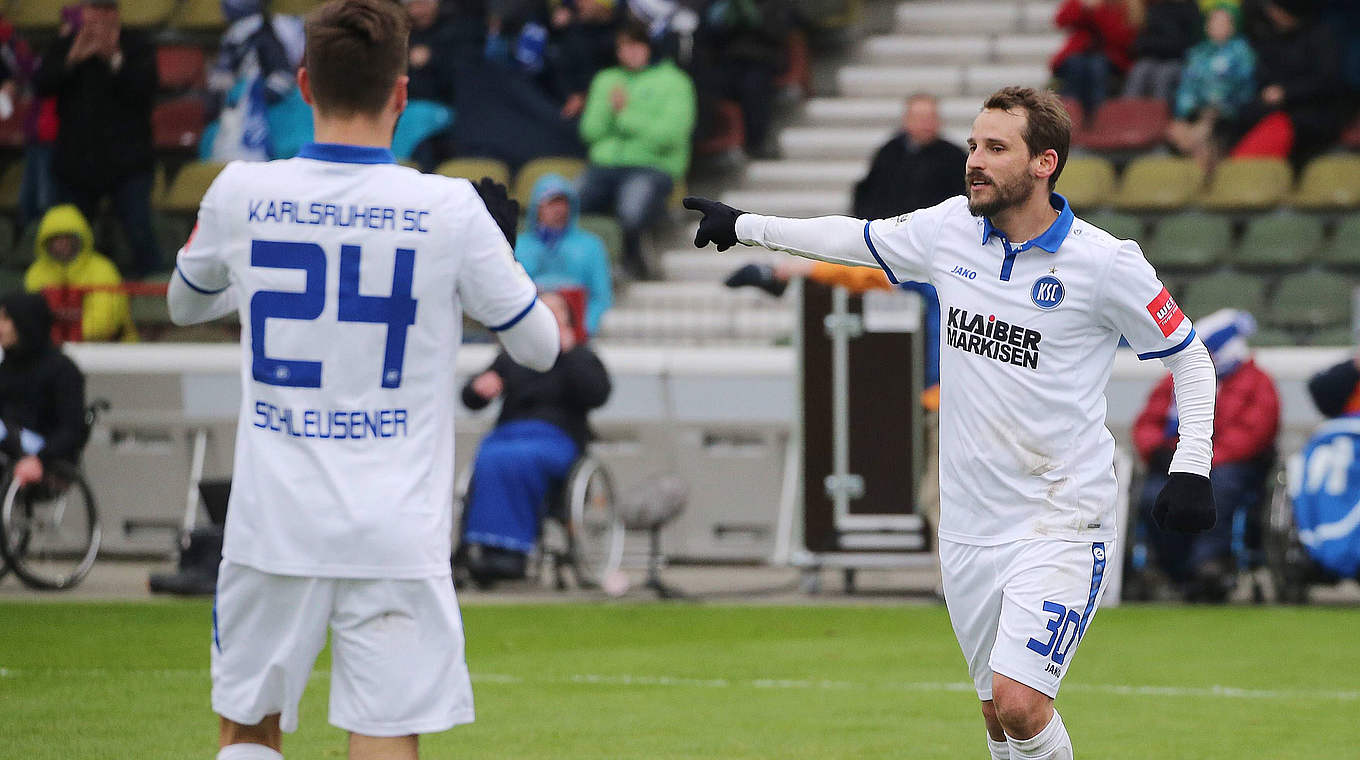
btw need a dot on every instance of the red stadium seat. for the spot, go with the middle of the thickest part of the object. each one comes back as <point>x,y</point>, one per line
<point>729,133</point>
<point>1351,137</point>
<point>180,67</point>
<point>1076,112</point>
<point>178,124</point>
<point>798,73</point>
<point>1126,124</point>
<point>12,129</point>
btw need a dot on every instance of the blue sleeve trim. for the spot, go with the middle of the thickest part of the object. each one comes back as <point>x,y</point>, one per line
<point>187,281</point>
<point>891,277</point>
<point>1173,350</point>
<point>517,317</point>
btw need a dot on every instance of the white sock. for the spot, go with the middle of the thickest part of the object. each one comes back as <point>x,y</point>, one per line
<point>248,752</point>
<point>1052,743</point>
<point>1001,750</point>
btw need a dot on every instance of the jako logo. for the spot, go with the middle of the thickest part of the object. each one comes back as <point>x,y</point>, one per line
<point>1048,292</point>
<point>967,274</point>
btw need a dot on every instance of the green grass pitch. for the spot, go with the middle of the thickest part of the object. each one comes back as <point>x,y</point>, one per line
<point>598,681</point>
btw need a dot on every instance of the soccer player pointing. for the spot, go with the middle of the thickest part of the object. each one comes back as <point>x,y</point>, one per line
<point>351,275</point>
<point>1034,301</point>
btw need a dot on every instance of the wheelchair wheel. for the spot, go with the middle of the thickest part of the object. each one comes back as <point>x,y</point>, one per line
<point>1287,561</point>
<point>49,532</point>
<point>595,532</point>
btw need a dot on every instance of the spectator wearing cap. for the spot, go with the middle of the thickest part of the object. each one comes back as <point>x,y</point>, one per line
<point>1218,82</point>
<point>1170,29</point>
<point>1246,421</point>
<point>104,80</point>
<point>558,254</point>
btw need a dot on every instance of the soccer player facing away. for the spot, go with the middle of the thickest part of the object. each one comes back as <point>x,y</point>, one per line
<point>1034,301</point>
<point>350,274</point>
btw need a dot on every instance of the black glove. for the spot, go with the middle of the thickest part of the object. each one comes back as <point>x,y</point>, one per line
<point>503,208</point>
<point>1186,504</point>
<point>719,225</point>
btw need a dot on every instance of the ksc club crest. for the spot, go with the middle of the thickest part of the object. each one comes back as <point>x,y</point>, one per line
<point>1048,292</point>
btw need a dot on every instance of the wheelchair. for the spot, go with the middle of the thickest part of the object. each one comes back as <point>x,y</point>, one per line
<point>581,531</point>
<point>1292,570</point>
<point>50,531</point>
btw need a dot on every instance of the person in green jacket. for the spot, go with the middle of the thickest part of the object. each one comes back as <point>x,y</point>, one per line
<point>638,119</point>
<point>77,278</point>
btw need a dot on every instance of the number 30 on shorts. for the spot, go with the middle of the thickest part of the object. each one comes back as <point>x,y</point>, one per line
<point>1065,626</point>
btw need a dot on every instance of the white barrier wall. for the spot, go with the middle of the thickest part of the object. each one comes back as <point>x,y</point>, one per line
<point>721,418</point>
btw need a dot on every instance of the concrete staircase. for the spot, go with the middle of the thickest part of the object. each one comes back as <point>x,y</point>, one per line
<point>959,51</point>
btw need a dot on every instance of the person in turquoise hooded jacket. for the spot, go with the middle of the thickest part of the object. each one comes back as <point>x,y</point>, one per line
<point>559,254</point>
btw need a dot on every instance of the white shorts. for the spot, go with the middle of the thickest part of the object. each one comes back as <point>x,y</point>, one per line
<point>1020,609</point>
<point>397,650</point>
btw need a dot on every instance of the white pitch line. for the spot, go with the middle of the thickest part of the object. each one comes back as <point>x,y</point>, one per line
<point>778,684</point>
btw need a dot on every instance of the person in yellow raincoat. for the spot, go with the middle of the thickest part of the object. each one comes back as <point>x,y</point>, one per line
<point>65,264</point>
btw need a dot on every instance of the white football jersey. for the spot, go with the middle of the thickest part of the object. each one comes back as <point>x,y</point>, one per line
<point>352,275</point>
<point>1028,334</point>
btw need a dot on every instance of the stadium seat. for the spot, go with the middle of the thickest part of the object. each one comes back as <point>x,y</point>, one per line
<point>1314,300</point>
<point>11,280</point>
<point>1087,182</point>
<point>198,15</point>
<point>146,13</point>
<point>1248,184</point>
<point>12,129</point>
<point>1343,335</point>
<point>1212,292</point>
<point>293,7</point>
<point>1278,241</point>
<point>609,231</point>
<point>569,167</point>
<point>1125,124</point>
<point>1122,226</point>
<point>728,133</point>
<point>1158,183</point>
<point>187,189</point>
<point>1343,250</point>
<point>180,67</point>
<point>10,181</point>
<point>1076,112</point>
<point>1351,137</point>
<point>1189,242</point>
<point>1329,183</point>
<point>797,75</point>
<point>178,124</point>
<point>475,168</point>
<point>35,14</point>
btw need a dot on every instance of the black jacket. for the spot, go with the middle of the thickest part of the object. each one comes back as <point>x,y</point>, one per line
<point>1171,28</point>
<point>904,178</point>
<point>563,395</point>
<point>105,134</point>
<point>40,387</point>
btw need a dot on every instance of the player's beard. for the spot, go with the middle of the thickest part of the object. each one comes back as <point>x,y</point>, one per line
<point>1006,194</point>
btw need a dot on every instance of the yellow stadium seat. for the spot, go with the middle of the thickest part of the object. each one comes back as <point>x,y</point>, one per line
<point>187,189</point>
<point>1158,183</point>
<point>1248,184</point>
<point>199,15</point>
<point>145,13</point>
<point>475,168</point>
<point>1087,182</point>
<point>1329,183</point>
<point>35,14</point>
<point>568,167</point>
<point>293,7</point>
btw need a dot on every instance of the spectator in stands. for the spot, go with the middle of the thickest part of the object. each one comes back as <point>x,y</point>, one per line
<point>104,80</point>
<point>1217,83</point>
<point>743,50</point>
<point>915,169</point>
<point>42,392</point>
<point>1302,104</point>
<point>1170,29</point>
<point>261,114</point>
<point>17,65</point>
<point>1336,390</point>
<point>559,254</point>
<point>434,48</point>
<point>77,279</point>
<point>1246,421</point>
<point>542,429</point>
<point>637,123</point>
<point>1100,34</point>
<point>583,46</point>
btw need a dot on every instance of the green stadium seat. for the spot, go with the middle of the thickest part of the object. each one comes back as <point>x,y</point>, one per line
<point>1189,242</point>
<point>1158,183</point>
<point>1315,300</point>
<point>609,231</point>
<point>1087,182</point>
<point>1209,293</point>
<point>10,182</point>
<point>1278,241</point>
<point>1269,336</point>
<point>475,168</point>
<point>11,280</point>
<point>569,167</point>
<point>1332,336</point>
<point>1329,183</point>
<point>1248,184</point>
<point>187,189</point>
<point>1122,226</point>
<point>1343,250</point>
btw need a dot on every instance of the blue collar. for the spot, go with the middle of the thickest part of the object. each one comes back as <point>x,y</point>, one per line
<point>347,154</point>
<point>1052,238</point>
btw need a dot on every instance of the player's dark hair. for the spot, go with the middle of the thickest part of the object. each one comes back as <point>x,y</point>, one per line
<point>356,49</point>
<point>1047,124</point>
